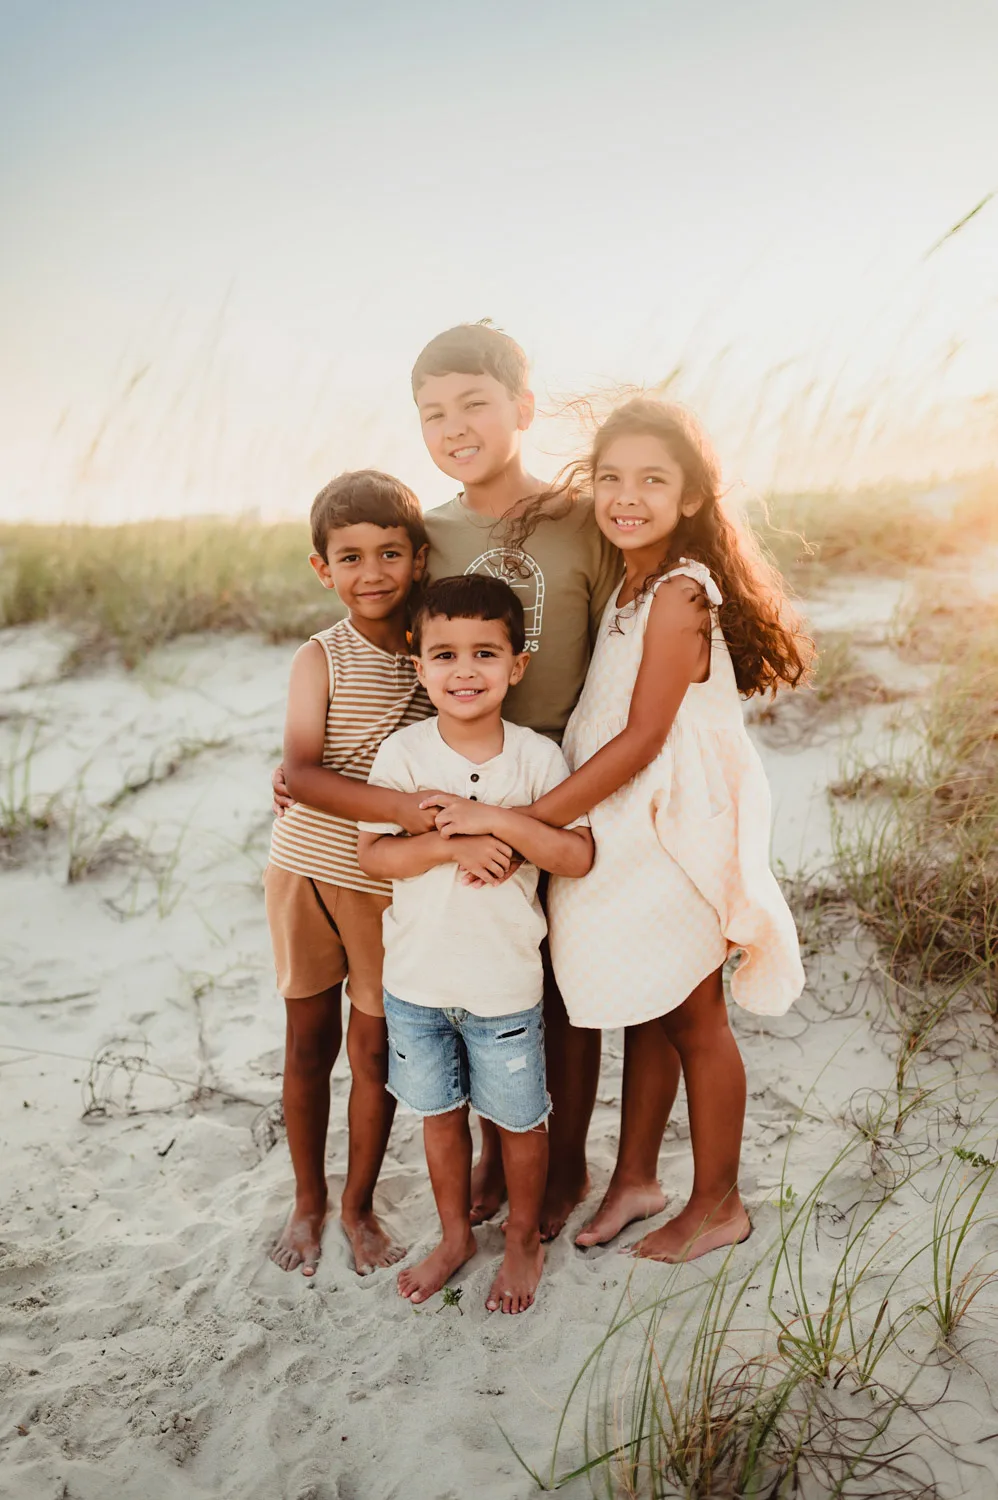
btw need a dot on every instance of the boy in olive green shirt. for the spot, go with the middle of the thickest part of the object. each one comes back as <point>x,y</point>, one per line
<point>471,389</point>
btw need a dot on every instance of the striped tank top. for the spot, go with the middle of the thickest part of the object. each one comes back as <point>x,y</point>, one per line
<point>371,694</point>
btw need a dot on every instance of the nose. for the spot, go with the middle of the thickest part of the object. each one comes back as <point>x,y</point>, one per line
<point>454,426</point>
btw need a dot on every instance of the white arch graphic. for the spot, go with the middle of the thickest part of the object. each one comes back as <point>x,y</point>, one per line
<point>524,577</point>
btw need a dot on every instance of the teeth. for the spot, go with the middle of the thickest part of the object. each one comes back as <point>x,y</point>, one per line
<point>464,452</point>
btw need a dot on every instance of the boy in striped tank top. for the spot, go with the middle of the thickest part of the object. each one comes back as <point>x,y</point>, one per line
<point>351,686</point>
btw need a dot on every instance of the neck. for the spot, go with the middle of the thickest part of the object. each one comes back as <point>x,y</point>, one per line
<point>639,565</point>
<point>478,740</point>
<point>387,634</point>
<point>503,492</point>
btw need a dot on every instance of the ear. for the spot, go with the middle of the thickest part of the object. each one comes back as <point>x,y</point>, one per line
<point>520,664</point>
<point>524,410</point>
<point>417,662</point>
<point>690,504</point>
<point>321,570</point>
<point>419,562</point>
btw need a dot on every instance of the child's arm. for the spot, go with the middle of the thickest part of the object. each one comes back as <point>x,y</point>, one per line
<point>560,851</point>
<point>676,653</point>
<point>388,856</point>
<point>309,781</point>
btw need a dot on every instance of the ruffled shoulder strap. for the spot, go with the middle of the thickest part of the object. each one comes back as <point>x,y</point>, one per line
<point>700,574</point>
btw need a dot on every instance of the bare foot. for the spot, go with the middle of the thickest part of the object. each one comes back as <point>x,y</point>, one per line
<point>514,1287</point>
<point>559,1200</point>
<point>621,1206</point>
<point>300,1242</point>
<point>488,1189</point>
<point>421,1281</point>
<point>697,1230</point>
<point>371,1244</point>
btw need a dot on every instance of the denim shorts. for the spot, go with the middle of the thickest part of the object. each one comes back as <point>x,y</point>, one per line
<point>441,1059</point>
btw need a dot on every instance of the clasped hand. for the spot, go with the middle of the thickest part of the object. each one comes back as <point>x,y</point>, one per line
<point>458,815</point>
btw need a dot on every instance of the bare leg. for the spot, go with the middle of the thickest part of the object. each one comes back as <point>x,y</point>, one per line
<point>715,1090</point>
<point>447,1139</point>
<point>488,1181</point>
<point>371,1112</point>
<point>525,1155</point>
<point>573,1060</point>
<point>312,1041</point>
<point>651,1078</point>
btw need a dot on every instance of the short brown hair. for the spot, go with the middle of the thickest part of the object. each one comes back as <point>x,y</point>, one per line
<point>470,596</point>
<point>474,349</point>
<point>365,495</point>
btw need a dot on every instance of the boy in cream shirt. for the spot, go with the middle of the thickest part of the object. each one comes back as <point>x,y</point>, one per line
<point>463,974</point>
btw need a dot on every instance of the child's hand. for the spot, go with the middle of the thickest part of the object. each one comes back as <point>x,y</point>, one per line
<point>282,799</point>
<point>484,859</point>
<point>515,864</point>
<point>459,815</point>
<point>418,811</point>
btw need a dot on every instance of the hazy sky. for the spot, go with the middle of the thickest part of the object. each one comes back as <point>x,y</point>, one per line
<point>228,229</point>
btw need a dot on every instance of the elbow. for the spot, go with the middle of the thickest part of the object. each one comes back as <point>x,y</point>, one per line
<point>580,860</point>
<point>293,777</point>
<point>368,860</point>
<point>645,744</point>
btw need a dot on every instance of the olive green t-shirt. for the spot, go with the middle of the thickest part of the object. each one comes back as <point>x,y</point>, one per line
<point>564,577</point>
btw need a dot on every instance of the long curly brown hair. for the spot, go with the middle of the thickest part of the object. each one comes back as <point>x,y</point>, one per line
<point>764,633</point>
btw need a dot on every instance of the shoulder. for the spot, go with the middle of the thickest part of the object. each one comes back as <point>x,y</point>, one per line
<point>402,748</point>
<point>531,747</point>
<point>311,663</point>
<point>440,517</point>
<point>679,603</point>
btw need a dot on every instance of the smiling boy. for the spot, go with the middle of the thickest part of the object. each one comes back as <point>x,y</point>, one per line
<point>351,685</point>
<point>463,972</point>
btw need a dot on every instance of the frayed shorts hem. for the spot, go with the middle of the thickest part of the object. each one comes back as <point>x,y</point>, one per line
<point>448,1109</point>
<point>514,1129</point>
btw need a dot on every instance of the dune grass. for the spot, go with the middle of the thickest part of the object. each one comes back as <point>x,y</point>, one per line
<point>128,589</point>
<point>884,530</point>
<point>920,858</point>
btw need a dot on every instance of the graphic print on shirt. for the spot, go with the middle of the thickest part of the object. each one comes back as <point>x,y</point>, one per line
<point>524,577</point>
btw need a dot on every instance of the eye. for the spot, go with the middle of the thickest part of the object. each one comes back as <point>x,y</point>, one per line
<point>432,416</point>
<point>655,479</point>
<point>485,651</point>
<point>350,557</point>
<point>605,476</point>
<point>391,554</point>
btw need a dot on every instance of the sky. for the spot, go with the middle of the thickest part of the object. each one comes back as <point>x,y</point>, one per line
<point>227,230</point>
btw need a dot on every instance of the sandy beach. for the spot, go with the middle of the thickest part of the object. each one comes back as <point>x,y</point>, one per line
<point>148,1346</point>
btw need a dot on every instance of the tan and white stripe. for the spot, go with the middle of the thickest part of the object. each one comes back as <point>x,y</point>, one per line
<point>371,694</point>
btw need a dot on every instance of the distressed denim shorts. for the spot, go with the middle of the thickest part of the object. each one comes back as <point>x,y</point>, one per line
<point>441,1059</point>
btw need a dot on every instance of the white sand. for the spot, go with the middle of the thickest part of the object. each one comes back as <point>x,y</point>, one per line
<point>148,1347</point>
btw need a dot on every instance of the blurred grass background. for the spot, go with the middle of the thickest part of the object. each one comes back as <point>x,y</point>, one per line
<point>127,589</point>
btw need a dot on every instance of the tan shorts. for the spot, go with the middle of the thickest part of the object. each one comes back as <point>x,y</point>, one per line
<point>320,933</point>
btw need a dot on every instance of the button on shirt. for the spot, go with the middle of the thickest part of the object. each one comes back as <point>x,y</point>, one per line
<point>446,943</point>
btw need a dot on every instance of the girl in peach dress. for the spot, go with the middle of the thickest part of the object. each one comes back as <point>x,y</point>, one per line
<point>680,810</point>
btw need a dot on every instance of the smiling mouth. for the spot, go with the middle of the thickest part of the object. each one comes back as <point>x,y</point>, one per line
<point>628,523</point>
<point>465,693</point>
<point>461,455</point>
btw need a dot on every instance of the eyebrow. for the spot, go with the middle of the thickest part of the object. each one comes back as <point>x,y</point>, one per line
<point>471,390</point>
<point>452,646</point>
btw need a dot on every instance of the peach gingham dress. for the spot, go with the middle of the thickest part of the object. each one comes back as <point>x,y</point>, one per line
<point>681,877</point>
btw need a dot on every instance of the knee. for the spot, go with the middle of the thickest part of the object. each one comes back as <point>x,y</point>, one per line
<point>367,1050</point>
<point>311,1045</point>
